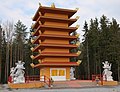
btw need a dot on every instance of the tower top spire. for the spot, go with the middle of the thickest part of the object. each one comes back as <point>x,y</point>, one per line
<point>53,5</point>
<point>40,4</point>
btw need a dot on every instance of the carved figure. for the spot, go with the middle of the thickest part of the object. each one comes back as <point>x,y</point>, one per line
<point>107,74</point>
<point>72,73</point>
<point>17,73</point>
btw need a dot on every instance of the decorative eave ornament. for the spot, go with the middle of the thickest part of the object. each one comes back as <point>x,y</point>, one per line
<point>78,62</point>
<point>32,57</point>
<point>77,26</point>
<point>39,41</point>
<point>32,40</point>
<point>39,51</point>
<point>32,49</point>
<point>78,44</point>
<point>77,17</point>
<point>32,25</point>
<point>78,53</point>
<point>32,65</point>
<point>39,60</point>
<point>32,33</point>
<point>40,32</point>
<point>40,23</point>
<point>77,35</point>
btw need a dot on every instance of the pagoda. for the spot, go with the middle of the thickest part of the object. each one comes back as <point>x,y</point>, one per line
<point>52,37</point>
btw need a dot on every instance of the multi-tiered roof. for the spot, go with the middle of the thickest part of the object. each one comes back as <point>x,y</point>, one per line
<point>52,37</point>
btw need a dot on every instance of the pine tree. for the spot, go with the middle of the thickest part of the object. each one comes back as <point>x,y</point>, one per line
<point>101,43</point>
<point>104,38</point>
<point>94,46</point>
<point>114,53</point>
<point>20,39</point>
<point>85,51</point>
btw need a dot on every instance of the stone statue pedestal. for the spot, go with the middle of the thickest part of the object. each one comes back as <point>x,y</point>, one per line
<point>108,83</point>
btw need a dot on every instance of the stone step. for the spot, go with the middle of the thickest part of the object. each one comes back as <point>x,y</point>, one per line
<point>73,84</point>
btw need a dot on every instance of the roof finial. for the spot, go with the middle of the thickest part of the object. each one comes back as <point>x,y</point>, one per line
<point>40,4</point>
<point>53,5</point>
<point>76,9</point>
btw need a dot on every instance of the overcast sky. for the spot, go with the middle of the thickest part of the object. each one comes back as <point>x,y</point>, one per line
<point>24,10</point>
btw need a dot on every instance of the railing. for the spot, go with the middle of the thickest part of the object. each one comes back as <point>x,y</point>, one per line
<point>34,78</point>
<point>84,77</point>
<point>47,81</point>
<point>44,78</point>
<point>97,75</point>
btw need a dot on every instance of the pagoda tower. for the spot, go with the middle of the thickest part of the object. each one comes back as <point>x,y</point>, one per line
<point>52,39</point>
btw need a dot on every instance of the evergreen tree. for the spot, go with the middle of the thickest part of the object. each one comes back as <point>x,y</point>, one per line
<point>3,63</point>
<point>28,60</point>
<point>20,39</point>
<point>93,39</point>
<point>101,43</point>
<point>104,38</point>
<point>85,52</point>
<point>114,51</point>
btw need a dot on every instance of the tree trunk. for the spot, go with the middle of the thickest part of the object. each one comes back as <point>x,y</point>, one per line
<point>7,62</point>
<point>15,51</point>
<point>88,60</point>
<point>11,61</point>
<point>18,58</point>
<point>118,71</point>
<point>0,52</point>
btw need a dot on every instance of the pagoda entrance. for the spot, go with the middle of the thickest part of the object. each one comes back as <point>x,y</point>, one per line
<point>58,74</point>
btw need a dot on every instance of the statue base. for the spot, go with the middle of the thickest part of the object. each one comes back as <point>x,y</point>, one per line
<point>109,83</point>
<point>26,85</point>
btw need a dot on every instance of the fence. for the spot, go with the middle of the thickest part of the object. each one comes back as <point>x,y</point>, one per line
<point>35,78</point>
<point>84,77</point>
<point>32,78</point>
<point>44,78</point>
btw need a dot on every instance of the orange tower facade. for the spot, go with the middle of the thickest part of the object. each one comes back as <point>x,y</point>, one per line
<point>52,38</point>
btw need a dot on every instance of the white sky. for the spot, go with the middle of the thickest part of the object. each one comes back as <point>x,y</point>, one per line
<point>24,10</point>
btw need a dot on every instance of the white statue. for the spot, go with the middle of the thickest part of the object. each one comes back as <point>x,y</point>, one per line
<point>107,73</point>
<point>12,71</point>
<point>17,73</point>
<point>72,73</point>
